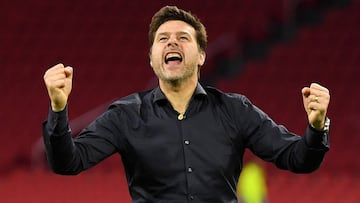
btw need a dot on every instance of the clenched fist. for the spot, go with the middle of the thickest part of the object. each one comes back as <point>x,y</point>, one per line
<point>316,100</point>
<point>58,81</point>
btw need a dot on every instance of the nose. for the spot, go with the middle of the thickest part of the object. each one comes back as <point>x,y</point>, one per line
<point>172,42</point>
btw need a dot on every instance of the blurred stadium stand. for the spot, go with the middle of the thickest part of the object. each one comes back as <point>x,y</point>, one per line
<point>267,50</point>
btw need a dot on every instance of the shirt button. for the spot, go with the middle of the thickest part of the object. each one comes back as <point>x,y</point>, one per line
<point>181,117</point>
<point>187,142</point>
<point>190,170</point>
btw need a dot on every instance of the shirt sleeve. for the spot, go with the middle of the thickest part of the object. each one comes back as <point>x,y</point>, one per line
<point>57,139</point>
<point>316,139</point>
<point>306,154</point>
<point>69,156</point>
<point>274,143</point>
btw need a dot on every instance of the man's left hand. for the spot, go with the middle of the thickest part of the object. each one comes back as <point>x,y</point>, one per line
<point>316,100</point>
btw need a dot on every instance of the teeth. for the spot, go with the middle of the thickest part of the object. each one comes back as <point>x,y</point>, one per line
<point>173,55</point>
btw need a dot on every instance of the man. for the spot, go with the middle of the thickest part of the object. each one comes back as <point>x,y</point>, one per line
<point>181,142</point>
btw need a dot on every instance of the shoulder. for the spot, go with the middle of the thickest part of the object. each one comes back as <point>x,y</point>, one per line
<point>132,100</point>
<point>234,104</point>
<point>227,97</point>
<point>238,107</point>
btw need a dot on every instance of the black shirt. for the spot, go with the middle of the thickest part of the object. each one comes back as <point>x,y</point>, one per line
<point>168,157</point>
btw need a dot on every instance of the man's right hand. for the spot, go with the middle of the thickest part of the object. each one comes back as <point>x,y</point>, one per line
<point>58,81</point>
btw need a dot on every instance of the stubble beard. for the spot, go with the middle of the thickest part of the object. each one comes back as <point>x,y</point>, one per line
<point>176,80</point>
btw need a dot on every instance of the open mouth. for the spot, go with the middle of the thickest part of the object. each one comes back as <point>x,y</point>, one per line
<point>173,57</point>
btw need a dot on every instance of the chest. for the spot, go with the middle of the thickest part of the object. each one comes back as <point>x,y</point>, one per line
<point>205,141</point>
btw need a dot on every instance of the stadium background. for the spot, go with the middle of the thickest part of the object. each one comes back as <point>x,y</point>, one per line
<point>266,49</point>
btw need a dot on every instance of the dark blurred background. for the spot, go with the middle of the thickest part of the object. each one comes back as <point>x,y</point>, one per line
<point>265,49</point>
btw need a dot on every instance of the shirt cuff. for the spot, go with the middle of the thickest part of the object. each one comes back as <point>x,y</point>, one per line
<point>58,122</point>
<point>317,139</point>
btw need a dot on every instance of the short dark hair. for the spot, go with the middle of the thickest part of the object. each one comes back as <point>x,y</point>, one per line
<point>167,13</point>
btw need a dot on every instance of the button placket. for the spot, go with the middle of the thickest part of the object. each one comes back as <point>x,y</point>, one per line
<point>191,197</point>
<point>189,170</point>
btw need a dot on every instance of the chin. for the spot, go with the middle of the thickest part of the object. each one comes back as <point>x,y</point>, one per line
<point>173,76</point>
<point>173,79</point>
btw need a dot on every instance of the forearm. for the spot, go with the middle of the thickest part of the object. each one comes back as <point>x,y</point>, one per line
<point>60,148</point>
<point>305,155</point>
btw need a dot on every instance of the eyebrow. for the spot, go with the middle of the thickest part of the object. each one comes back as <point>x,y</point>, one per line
<point>177,33</point>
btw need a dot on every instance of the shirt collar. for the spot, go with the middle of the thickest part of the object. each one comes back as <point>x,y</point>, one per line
<point>160,96</point>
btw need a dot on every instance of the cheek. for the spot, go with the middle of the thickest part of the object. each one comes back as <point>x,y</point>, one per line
<point>155,56</point>
<point>154,60</point>
<point>155,63</point>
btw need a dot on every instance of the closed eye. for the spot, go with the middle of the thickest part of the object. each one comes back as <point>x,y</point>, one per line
<point>183,38</point>
<point>162,39</point>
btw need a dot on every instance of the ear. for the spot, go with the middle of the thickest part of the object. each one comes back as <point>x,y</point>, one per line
<point>202,57</point>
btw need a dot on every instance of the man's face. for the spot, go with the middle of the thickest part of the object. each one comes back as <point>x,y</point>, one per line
<point>175,55</point>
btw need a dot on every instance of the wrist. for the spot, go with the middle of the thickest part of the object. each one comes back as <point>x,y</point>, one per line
<point>323,127</point>
<point>57,108</point>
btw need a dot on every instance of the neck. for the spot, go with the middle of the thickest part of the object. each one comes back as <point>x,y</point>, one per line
<point>178,93</point>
